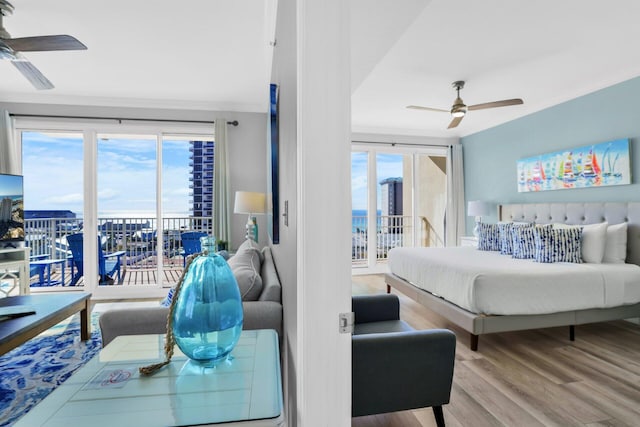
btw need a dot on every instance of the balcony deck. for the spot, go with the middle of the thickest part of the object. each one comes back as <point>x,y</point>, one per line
<point>130,277</point>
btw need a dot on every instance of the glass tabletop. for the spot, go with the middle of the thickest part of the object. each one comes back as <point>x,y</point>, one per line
<point>109,390</point>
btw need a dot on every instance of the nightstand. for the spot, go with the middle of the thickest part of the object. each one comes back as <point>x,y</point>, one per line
<point>469,241</point>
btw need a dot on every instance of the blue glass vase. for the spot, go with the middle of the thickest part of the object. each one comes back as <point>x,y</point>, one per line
<point>207,318</point>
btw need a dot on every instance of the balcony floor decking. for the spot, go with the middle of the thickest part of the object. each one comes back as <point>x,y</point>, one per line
<point>130,277</point>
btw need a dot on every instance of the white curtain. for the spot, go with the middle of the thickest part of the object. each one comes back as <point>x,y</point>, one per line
<point>10,159</point>
<point>221,190</point>
<point>455,196</point>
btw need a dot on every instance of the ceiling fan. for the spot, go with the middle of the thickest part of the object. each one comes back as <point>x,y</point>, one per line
<point>459,109</point>
<point>11,49</point>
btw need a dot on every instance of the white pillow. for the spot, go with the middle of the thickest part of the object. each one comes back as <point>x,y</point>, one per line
<point>616,247</point>
<point>593,243</point>
<point>594,239</point>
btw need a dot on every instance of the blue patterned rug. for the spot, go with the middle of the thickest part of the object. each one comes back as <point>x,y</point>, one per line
<point>30,372</point>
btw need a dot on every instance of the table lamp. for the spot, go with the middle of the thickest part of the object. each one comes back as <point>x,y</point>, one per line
<point>248,202</point>
<point>478,209</point>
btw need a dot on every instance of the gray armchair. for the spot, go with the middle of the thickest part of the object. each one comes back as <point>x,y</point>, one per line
<point>395,367</point>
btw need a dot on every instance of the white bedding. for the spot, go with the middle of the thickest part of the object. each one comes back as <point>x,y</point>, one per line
<point>486,282</point>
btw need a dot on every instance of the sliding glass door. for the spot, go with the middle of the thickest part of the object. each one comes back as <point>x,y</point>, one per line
<point>134,189</point>
<point>399,198</point>
<point>127,208</point>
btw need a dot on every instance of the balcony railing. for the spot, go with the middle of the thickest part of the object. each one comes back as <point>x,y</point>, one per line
<point>138,237</point>
<point>391,231</point>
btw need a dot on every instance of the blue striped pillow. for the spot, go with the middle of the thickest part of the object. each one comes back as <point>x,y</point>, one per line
<point>558,245</point>
<point>524,243</point>
<point>506,241</point>
<point>167,301</point>
<point>488,237</point>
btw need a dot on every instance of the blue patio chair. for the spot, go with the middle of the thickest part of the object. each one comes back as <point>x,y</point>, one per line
<point>108,264</point>
<point>190,244</point>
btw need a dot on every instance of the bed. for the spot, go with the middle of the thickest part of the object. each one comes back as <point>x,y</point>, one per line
<point>485,292</point>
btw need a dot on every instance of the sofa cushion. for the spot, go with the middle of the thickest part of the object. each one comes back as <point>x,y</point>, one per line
<point>271,288</point>
<point>246,265</point>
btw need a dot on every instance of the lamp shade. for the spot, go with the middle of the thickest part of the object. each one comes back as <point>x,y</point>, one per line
<point>478,208</point>
<point>248,202</point>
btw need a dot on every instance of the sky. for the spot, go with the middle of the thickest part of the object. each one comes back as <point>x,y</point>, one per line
<point>53,178</point>
<point>10,185</point>
<point>388,166</point>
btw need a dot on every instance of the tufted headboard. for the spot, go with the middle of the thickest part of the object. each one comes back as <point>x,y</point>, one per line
<point>581,213</point>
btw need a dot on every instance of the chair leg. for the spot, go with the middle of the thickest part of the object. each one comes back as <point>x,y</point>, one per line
<point>437,412</point>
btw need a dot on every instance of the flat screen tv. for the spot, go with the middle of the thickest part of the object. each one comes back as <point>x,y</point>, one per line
<point>11,211</point>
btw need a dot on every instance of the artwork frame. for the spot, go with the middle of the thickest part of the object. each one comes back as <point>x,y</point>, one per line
<point>590,166</point>
<point>273,190</point>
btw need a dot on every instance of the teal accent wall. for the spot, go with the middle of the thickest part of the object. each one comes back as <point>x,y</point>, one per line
<point>490,156</point>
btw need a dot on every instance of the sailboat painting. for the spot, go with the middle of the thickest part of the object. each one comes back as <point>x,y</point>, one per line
<point>598,165</point>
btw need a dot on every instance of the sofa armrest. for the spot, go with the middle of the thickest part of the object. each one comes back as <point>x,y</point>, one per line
<point>262,315</point>
<point>375,308</point>
<point>401,370</point>
<point>128,321</point>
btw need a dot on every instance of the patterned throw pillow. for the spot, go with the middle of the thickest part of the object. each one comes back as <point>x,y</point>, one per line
<point>167,301</point>
<point>558,245</point>
<point>506,241</point>
<point>488,237</point>
<point>524,243</point>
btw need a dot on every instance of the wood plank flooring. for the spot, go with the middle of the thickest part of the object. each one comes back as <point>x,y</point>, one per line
<point>529,378</point>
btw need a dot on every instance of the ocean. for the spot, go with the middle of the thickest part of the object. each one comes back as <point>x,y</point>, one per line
<point>359,220</point>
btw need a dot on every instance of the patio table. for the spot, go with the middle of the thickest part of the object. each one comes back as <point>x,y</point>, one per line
<point>44,266</point>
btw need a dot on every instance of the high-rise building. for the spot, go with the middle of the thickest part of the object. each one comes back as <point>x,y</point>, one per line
<point>391,198</point>
<point>6,206</point>
<point>201,178</point>
<point>391,189</point>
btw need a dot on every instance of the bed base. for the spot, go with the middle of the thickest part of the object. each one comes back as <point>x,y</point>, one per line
<point>479,324</point>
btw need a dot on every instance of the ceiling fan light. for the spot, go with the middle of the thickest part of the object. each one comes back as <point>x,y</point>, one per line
<point>6,53</point>
<point>458,113</point>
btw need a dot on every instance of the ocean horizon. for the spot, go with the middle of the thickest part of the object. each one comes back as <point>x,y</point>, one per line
<point>359,220</point>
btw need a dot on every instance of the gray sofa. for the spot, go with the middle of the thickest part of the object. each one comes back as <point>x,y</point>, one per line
<point>263,313</point>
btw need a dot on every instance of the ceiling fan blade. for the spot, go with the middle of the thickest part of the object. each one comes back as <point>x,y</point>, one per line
<point>455,122</point>
<point>417,107</point>
<point>44,43</point>
<point>37,79</point>
<point>6,8</point>
<point>495,104</point>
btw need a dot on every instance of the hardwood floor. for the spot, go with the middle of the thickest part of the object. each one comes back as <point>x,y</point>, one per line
<point>529,378</point>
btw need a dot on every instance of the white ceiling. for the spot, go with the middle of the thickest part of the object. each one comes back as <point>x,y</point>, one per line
<point>194,54</point>
<point>216,55</point>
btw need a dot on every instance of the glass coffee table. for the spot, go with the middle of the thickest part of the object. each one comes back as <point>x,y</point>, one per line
<point>109,391</point>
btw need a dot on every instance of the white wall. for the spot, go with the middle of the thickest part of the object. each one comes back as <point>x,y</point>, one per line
<point>285,76</point>
<point>247,149</point>
<point>311,66</point>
